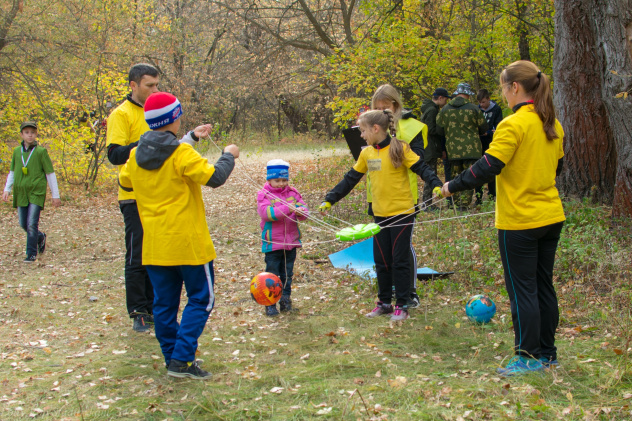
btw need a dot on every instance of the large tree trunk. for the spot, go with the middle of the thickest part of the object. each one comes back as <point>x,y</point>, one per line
<point>591,57</point>
<point>523,30</point>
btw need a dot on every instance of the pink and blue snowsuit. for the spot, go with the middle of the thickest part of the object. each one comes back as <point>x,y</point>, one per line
<point>280,235</point>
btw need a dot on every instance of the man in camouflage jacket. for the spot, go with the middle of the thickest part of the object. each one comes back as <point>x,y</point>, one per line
<point>462,123</point>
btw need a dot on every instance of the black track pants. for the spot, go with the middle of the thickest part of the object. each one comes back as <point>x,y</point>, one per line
<point>391,253</point>
<point>139,292</point>
<point>528,257</point>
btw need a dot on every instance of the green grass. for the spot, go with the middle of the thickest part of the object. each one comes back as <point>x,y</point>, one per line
<point>328,359</point>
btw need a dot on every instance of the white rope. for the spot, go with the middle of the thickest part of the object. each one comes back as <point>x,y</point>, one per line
<point>334,229</point>
<point>255,185</point>
<point>404,216</point>
<point>444,219</point>
<point>308,244</point>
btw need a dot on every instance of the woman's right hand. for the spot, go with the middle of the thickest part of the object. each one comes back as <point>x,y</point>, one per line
<point>445,191</point>
<point>5,196</point>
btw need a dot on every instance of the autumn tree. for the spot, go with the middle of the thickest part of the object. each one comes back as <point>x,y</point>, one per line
<point>418,45</point>
<point>593,77</point>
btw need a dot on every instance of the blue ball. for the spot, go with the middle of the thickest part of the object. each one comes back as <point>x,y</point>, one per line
<point>480,309</point>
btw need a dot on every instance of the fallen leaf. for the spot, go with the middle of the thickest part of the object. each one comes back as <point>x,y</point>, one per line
<point>324,411</point>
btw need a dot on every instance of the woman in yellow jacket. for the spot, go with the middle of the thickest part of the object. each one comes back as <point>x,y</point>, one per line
<point>415,133</point>
<point>525,156</point>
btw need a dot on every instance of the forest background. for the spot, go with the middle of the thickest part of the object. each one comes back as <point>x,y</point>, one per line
<point>267,70</point>
<point>255,69</point>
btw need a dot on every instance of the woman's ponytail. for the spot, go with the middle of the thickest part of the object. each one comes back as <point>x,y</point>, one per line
<point>543,104</point>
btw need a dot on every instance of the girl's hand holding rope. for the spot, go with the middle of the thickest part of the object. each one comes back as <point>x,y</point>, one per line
<point>324,208</point>
<point>298,210</point>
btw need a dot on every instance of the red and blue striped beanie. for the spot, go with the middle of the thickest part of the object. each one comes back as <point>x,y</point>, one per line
<point>161,109</point>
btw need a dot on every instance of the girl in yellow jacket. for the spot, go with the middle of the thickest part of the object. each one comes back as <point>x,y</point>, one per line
<point>388,160</point>
<point>415,134</point>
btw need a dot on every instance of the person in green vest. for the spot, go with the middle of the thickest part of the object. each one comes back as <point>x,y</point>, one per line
<point>415,133</point>
<point>30,171</point>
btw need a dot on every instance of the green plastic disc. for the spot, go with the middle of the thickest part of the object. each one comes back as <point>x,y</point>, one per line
<point>358,232</point>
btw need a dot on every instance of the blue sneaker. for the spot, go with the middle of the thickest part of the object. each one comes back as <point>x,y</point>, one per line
<point>548,363</point>
<point>520,365</point>
<point>272,311</point>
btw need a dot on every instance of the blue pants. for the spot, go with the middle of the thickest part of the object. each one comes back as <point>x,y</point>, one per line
<point>29,221</point>
<point>528,258</point>
<point>281,263</point>
<point>180,340</point>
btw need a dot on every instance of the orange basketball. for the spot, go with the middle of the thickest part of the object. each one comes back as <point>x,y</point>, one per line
<point>266,288</point>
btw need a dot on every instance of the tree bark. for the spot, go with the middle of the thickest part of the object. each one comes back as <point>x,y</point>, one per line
<point>591,59</point>
<point>522,9</point>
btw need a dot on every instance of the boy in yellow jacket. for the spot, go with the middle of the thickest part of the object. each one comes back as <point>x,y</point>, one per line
<point>166,175</point>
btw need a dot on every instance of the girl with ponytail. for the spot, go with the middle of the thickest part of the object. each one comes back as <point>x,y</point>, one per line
<point>387,159</point>
<point>414,133</point>
<point>525,156</point>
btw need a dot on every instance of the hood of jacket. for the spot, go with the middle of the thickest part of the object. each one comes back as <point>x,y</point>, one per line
<point>458,102</point>
<point>154,148</point>
<point>406,114</point>
<point>492,104</point>
<point>427,104</point>
<point>279,191</point>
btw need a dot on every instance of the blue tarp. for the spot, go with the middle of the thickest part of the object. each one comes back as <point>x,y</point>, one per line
<point>358,259</point>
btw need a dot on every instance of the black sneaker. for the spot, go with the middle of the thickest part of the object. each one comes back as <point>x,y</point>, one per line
<point>149,318</point>
<point>285,304</point>
<point>272,311</point>
<point>182,369</point>
<point>140,323</point>
<point>413,301</point>
<point>30,259</point>
<point>41,245</point>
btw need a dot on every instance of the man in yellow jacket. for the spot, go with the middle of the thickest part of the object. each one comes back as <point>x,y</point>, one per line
<point>125,125</point>
<point>166,176</point>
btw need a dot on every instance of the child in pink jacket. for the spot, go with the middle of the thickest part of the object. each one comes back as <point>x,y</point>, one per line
<point>280,208</point>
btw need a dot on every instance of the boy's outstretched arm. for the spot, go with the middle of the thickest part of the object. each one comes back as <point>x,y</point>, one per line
<point>8,186</point>
<point>54,189</point>
<point>224,166</point>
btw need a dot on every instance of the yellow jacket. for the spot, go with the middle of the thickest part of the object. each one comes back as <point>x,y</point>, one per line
<point>166,177</point>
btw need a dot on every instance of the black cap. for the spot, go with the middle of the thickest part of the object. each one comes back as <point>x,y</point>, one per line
<point>28,124</point>
<point>442,92</point>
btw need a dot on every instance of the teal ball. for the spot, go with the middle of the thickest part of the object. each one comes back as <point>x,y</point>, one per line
<point>480,309</point>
